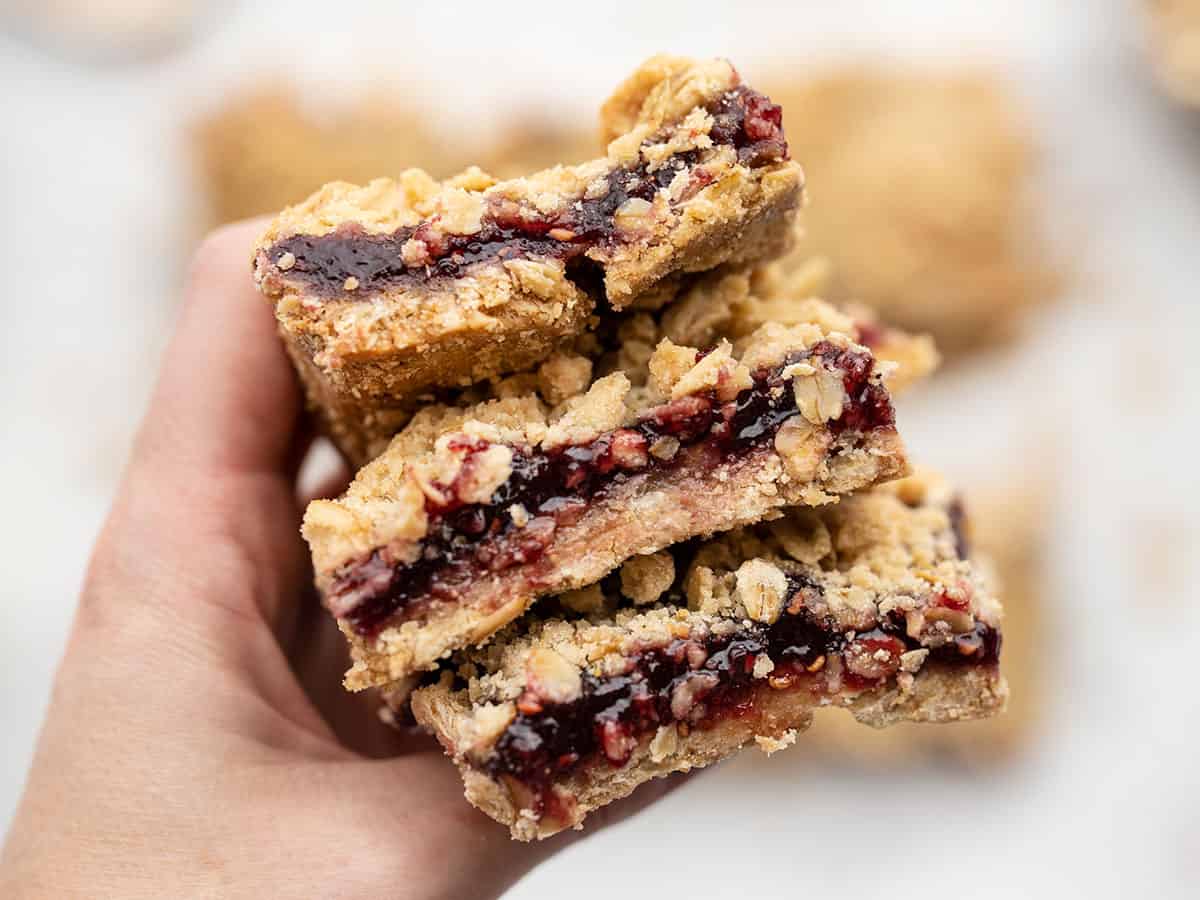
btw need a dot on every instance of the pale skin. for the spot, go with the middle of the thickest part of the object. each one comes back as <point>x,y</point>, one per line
<point>198,742</point>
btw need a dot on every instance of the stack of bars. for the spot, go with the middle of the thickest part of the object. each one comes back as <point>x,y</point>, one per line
<point>629,498</point>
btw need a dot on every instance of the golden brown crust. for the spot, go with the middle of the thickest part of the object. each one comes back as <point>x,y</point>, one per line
<point>371,355</point>
<point>924,185</point>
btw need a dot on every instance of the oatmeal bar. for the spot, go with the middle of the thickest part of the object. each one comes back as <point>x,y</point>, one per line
<point>1175,45</point>
<point>866,605</point>
<point>389,291</point>
<point>924,186</point>
<point>471,514</point>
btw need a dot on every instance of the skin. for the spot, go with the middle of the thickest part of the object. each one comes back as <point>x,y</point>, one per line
<point>198,742</point>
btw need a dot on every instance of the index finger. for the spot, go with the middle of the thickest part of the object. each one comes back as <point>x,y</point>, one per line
<point>227,398</point>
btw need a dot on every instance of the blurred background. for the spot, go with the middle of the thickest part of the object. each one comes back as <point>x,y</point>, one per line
<point>1019,178</point>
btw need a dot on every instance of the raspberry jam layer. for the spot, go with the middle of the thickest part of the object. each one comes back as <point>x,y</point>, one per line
<point>702,681</point>
<point>553,488</point>
<point>743,119</point>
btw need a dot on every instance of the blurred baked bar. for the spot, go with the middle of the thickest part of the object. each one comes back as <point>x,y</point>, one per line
<point>921,189</point>
<point>530,143</point>
<point>866,605</point>
<point>1175,47</point>
<point>472,514</point>
<point>266,147</point>
<point>388,292</point>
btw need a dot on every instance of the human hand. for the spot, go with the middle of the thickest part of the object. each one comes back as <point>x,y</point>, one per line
<point>198,742</point>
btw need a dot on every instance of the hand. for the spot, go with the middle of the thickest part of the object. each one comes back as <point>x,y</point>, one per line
<point>198,742</point>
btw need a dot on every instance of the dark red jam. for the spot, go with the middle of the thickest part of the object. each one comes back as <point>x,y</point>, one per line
<point>546,741</point>
<point>555,486</point>
<point>743,119</point>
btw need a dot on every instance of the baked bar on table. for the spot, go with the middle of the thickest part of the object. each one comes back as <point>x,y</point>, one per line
<point>387,292</point>
<point>532,141</point>
<point>925,198</point>
<point>1175,47</point>
<point>272,143</point>
<point>472,513</point>
<point>867,604</point>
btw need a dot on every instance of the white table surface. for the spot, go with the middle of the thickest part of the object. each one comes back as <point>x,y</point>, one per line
<point>1106,803</point>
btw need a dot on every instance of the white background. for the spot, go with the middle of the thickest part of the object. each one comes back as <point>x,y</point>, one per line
<point>94,230</point>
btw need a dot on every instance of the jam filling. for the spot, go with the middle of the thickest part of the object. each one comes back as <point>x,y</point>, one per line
<point>742,118</point>
<point>701,681</point>
<point>554,487</point>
